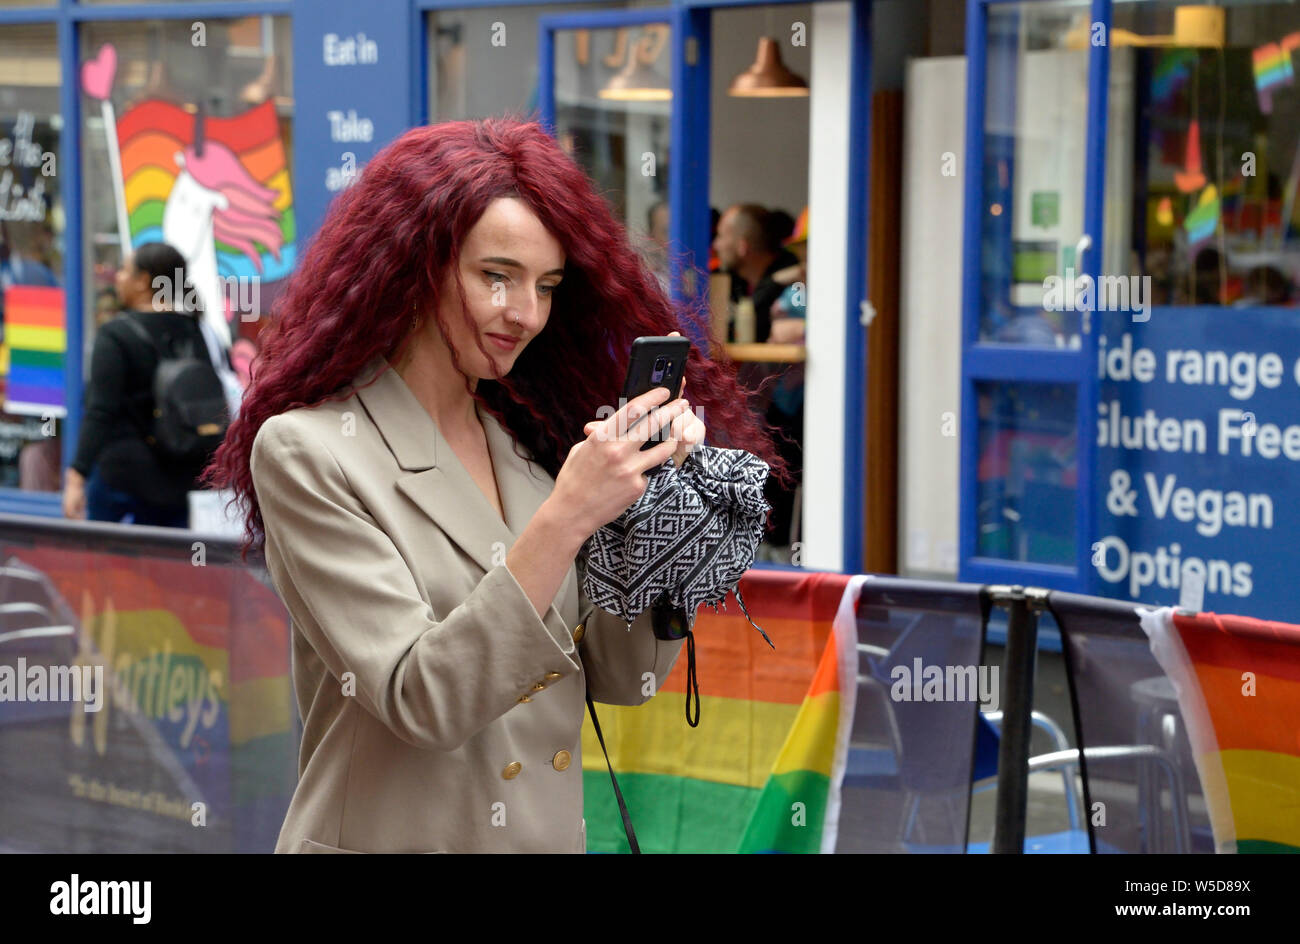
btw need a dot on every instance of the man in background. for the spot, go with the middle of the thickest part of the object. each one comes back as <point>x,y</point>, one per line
<point>748,245</point>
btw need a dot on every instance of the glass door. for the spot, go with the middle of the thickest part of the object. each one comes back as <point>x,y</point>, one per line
<point>1036,128</point>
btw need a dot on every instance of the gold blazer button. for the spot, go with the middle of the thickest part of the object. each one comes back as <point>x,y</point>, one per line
<point>523,699</point>
<point>561,760</point>
<point>579,631</point>
<point>512,770</point>
<point>552,676</point>
<point>538,686</point>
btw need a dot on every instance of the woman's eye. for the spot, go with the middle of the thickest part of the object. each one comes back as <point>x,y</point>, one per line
<point>495,276</point>
<point>547,289</point>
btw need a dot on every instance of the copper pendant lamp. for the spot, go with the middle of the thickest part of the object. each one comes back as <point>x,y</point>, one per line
<point>638,82</point>
<point>768,77</point>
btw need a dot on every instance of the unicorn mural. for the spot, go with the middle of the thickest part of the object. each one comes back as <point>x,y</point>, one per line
<point>214,197</point>
<point>215,188</point>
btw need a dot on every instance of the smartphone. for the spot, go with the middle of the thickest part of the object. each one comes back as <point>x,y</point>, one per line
<point>656,362</point>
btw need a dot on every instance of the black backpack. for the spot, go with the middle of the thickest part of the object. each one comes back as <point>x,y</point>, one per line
<point>190,412</point>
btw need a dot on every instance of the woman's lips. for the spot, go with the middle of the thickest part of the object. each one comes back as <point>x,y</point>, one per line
<point>504,342</point>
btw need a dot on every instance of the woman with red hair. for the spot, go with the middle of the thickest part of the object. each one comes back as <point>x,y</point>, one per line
<point>422,454</point>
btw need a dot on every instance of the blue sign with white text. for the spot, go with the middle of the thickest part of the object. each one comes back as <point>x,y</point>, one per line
<point>353,67</point>
<point>1198,453</point>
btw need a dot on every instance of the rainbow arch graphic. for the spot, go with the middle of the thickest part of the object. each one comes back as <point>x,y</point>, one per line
<point>150,135</point>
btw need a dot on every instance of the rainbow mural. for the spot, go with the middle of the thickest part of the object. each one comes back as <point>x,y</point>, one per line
<point>1238,684</point>
<point>215,188</point>
<point>32,355</point>
<point>771,732</point>
<point>245,164</point>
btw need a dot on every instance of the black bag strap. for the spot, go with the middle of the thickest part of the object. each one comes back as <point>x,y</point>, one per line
<point>140,331</point>
<point>149,339</point>
<point>618,794</point>
<point>144,398</point>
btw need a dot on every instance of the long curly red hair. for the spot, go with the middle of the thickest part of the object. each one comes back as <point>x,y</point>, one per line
<point>382,252</point>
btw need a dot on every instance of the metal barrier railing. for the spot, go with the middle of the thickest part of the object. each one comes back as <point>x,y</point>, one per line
<point>166,648</point>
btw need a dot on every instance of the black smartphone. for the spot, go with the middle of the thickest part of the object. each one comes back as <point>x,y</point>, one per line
<point>655,362</point>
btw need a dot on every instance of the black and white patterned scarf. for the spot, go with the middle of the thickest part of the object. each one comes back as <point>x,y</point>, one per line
<point>686,541</point>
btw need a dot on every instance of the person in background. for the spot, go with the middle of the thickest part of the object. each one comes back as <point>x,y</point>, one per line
<point>656,255</point>
<point>1265,285</point>
<point>25,248</point>
<point>116,473</point>
<point>780,225</point>
<point>789,311</point>
<point>1208,278</point>
<point>747,249</point>
<point>106,307</point>
<point>789,314</point>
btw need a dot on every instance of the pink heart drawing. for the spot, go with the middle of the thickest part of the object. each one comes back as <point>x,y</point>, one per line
<point>97,74</point>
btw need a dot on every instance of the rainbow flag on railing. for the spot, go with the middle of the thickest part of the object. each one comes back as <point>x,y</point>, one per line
<point>771,728</point>
<point>1238,684</point>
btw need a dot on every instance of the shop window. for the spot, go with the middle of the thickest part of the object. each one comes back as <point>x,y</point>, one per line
<point>1211,215</point>
<point>187,139</point>
<point>32,275</point>
<point>476,70</point>
<point>483,60</point>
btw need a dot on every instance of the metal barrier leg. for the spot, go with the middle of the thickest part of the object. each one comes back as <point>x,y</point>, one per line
<point>1017,707</point>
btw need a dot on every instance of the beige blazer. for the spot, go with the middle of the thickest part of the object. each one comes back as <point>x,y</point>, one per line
<point>440,713</point>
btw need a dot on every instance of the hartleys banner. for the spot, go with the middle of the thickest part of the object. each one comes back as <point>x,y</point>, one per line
<point>150,703</point>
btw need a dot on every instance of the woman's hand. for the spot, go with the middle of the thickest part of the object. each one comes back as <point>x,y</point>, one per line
<point>74,494</point>
<point>688,429</point>
<point>604,474</point>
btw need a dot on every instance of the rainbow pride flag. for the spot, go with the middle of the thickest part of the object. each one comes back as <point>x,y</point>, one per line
<point>798,809</point>
<point>35,344</point>
<point>1172,70</point>
<point>772,731</point>
<point>149,137</point>
<point>1203,220</point>
<point>1238,685</point>
<point>1273,70</point>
